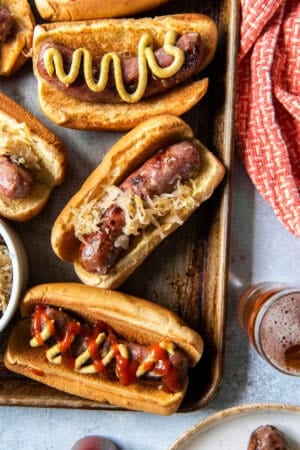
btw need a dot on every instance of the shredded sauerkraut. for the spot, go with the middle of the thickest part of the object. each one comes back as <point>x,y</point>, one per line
<point>139,213</point>
<point>17,143</point>
<point>5,276</point>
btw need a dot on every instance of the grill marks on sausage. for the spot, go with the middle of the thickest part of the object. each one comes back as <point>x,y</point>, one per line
<point>267,437</point>
<point>160,174</point>
<point>168,369</point>
<point>6,23</point>
<point>15,181</point>
<point>190,43</point>
<point>98,252</point>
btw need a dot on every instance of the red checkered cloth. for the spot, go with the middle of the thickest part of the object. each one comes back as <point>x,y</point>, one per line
<point>268,103</point>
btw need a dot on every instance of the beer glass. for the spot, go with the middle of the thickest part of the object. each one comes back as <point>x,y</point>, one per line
<point>269,312</point>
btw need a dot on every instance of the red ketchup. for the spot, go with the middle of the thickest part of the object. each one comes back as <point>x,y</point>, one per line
<point>64,330</point>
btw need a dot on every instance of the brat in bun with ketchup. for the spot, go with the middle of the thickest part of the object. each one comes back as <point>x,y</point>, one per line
<point>105,346</point>
<point>16,31</point>
<point>66,10</point>
<point>114,73</point>
<point>32,162</point>
<point>146,186</point>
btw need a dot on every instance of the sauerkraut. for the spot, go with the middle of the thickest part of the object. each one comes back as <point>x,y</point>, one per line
<point>18,143</point>
<point>5,276</point>
<point>139,212</point>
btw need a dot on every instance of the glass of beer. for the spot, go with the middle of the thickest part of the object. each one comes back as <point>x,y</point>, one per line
<point>269,312</point>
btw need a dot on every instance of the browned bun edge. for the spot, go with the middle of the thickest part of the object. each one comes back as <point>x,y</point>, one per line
<point>52,156</point>
<point>100,37</point>
<point>18,112</point>
<point>71,113</point>
<point>64,10</point>
<point>134,318</point>
<point>16,50</point>
<point>126,155</point>
<point>131,317</point>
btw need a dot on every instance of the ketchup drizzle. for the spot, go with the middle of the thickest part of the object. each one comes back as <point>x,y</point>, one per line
<point>157,360</point>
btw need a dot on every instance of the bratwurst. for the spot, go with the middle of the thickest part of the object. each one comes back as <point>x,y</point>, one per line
<point>189,43</point>
<point>267,437</point>
<point>6,23</point>
<point>15,181</point>
<point>96,348</point>
<point>160,174</point>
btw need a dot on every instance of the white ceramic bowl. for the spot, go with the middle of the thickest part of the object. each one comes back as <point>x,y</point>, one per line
<point>19,270</point>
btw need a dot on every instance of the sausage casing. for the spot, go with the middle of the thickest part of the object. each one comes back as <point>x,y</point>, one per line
<point>6,23</point>
<point>190,43</point>
<point>267,437</point>
<point>15,181</point>
<point>160,174</point>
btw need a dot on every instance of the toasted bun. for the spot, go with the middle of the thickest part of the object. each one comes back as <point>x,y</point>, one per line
<point>63,10</point>
<point>126,155</point>
<point>16,50</point>
<point>132,318</point>
<point>121,36</point>
<point>50,153</point>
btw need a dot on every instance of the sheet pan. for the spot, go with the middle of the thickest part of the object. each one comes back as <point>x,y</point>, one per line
<point>188,272</point>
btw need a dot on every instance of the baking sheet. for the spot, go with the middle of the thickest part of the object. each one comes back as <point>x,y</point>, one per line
<point>188,272</point>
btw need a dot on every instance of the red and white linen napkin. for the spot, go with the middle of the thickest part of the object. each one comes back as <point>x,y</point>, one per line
<point>268,103</point>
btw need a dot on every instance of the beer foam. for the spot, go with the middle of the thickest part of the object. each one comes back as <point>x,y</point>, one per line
<point>280,330</point>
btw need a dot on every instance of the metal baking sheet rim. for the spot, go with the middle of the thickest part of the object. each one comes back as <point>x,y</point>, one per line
<point>10,391</point>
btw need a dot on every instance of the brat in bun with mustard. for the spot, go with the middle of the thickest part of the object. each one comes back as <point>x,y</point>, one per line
<point>114,73</point>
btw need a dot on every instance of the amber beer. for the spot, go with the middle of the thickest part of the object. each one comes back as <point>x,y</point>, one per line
<point>270,314</point>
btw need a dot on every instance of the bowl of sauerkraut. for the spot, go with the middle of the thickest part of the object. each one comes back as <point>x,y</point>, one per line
<point>13,272</point>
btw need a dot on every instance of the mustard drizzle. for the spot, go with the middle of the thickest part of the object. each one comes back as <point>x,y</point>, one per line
<point>54,63</point>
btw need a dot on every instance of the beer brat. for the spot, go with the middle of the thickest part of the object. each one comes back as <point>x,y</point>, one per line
<point>267,437</point>
<point>16,31</point>
<point>65,10</point>
<point>32,162</point>
<point>105,346</point>
<point>147,185</point>
<point>158,175</point>
<point>115,73</point>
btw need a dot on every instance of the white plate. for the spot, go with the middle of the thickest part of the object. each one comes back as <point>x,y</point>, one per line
<point>230,429</point>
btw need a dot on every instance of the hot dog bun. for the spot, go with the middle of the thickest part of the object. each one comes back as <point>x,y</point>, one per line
<point>132,318</point>
<point>125,156</point>
<point>16,49</point>
<point>64,10</point>
<point>120,36</point>
<point>43,152</point>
